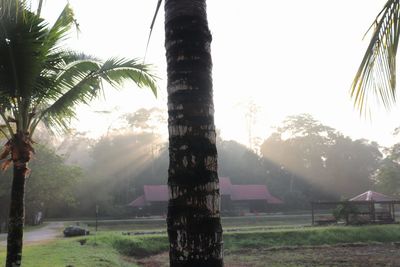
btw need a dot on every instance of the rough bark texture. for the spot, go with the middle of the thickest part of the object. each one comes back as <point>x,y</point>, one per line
<point>20,154</point>
<point>194,226</point>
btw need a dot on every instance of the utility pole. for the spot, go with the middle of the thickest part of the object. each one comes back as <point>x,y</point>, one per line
<point>97,215</point>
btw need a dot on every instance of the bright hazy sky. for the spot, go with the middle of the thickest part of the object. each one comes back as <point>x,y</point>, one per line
<point>285,57</point>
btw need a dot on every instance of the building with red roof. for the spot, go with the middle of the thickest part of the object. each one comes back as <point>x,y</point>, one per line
<point>234,198</point>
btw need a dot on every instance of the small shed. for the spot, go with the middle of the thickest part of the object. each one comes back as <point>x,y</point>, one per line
<point>368,207</point>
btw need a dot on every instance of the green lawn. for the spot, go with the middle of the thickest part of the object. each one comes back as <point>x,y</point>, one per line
<point>70,253</point>
<point>114,249</point>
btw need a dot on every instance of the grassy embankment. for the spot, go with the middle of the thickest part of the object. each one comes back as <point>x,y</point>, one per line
<point>114,249</point>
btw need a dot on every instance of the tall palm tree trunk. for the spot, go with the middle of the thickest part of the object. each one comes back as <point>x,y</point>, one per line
<point>21,150</point>
<point>194,226</point>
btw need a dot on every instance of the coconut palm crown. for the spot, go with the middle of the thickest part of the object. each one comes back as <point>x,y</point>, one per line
<point>42,81</point>
<point>376,75</point>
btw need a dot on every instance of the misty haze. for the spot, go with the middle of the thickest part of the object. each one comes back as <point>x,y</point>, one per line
<point>226,134</point>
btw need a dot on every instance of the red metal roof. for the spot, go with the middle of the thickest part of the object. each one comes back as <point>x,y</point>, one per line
<point>248,192</point>
<point>153,193</point>
<point>273,200</point>
<point>253,192</point>
<point>372,196</point>
<point>225,186</point>
<point>139,202</point>
<point>156,192</point>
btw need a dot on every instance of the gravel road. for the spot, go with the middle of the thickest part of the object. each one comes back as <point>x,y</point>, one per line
<point>48,232</point>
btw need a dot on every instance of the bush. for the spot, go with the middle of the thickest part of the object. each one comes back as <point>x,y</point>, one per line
<point>343,211</point>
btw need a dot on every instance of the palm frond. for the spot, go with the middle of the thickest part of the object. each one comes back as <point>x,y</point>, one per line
<point>21,33</point>
<point>74,87</point>
<point>377,72</point>
<point>116,71</point>
<point>4,132</point>
<point>58,32</point>
<point>55,57</point>
<point>42,81</point>
<point>81,80</point>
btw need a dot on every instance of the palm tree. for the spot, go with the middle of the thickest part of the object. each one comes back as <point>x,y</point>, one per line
<point>377,72</point>
<point>41,82</point>
<point>194,227</point>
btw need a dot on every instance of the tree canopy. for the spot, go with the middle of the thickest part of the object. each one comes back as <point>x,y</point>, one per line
<point>322,157</point>
<point>50,188</point>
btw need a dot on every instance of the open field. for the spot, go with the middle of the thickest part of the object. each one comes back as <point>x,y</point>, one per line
<point>311,246</point>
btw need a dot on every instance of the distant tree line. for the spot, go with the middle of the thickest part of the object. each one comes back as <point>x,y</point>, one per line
<point>322,163</point>
<point>301,161</point>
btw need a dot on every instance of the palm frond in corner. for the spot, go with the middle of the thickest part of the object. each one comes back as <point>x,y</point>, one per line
<point>376,75</point>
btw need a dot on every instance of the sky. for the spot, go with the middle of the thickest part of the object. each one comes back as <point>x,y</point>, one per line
<point>275,58</point>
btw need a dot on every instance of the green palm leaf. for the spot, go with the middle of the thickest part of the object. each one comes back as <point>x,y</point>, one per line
<point>59,31</point>
<point>117,70</point>
<point>80,81</point>
<point>42,81</point>
<point>21,33</point>
<point>377,72</point>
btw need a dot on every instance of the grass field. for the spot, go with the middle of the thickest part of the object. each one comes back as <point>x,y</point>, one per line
<point>111,248</point>
<point>64,253</point>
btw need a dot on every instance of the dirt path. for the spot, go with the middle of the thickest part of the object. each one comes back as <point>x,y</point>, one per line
<point>334,256</point>
<point>46,233</point>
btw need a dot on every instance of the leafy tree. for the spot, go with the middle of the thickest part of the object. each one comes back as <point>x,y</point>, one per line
<point>350,164</point>
<point>75,147</point>
<point>118,164</point>
<point>41,81</point>
<point>148,120</point>
<point>114,175</point>
<point>194,226</point>
<point>387,177</point>
<point>322,161</point>
<point>240,163</point>
<point>299,146</point>
<point>50,187</point>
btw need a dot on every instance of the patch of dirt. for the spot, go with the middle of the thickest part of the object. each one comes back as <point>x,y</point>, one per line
<point>360,255</point>
<point>159,260</point>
